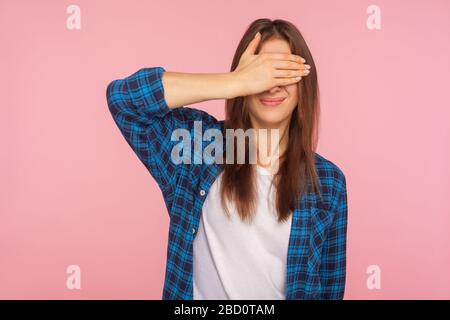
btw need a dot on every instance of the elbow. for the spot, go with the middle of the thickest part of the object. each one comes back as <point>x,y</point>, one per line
<point>116,96</point>
<point>111,90</point>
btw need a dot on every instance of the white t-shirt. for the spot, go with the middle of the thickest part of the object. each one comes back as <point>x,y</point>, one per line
<point>234,260</point>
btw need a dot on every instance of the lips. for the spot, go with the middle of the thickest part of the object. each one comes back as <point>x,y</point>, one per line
<point>271,101</point>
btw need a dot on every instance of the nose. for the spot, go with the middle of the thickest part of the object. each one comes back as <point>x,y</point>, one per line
<point>275,89</point>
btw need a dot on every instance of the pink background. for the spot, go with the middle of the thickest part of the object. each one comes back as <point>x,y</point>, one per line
<point>73,193</point>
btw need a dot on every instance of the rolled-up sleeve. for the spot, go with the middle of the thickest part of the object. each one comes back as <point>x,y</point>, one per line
<point>138,106</point>
<point>139,109</point>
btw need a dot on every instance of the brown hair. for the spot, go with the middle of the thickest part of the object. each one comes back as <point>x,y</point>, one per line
<point>296,171</point>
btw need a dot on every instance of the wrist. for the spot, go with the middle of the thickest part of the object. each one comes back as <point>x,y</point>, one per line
<point>233,85</point>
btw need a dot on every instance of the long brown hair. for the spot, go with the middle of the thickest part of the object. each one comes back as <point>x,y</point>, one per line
<point>296,171</point>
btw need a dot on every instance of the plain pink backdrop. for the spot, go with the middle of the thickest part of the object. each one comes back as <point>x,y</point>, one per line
<point>72,192</point>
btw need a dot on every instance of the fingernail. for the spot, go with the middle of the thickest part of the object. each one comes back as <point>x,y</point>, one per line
<point>256,35</point>
<point>303,60</point>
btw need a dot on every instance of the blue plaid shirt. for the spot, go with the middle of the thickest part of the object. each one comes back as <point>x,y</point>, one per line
<point>316,262</point>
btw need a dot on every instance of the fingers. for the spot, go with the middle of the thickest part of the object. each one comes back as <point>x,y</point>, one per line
<point>286,81</point>
<point>289,69</point>
<point>251,48</point>
<point>291,73</point>
<point>289,65</point>
<point>287,56</point>
<point>285,67</point>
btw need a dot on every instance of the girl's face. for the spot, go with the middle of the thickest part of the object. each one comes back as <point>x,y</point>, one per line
<point>269,116</point>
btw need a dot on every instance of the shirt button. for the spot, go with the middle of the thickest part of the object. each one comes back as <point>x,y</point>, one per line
<point>193,230</point>
<point>202,192</point>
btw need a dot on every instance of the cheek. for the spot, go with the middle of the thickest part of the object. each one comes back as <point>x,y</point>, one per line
<point>293,91</point>
<point>293,97</point>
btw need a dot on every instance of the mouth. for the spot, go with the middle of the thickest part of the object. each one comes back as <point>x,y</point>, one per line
<point>272,102</point>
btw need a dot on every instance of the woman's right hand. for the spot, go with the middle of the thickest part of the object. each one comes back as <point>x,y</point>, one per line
<point>256,73</point>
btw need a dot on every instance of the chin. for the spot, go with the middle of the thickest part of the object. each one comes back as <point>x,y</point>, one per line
<point>269,120</point>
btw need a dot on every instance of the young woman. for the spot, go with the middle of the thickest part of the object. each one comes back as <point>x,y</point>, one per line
<point>243,230</point>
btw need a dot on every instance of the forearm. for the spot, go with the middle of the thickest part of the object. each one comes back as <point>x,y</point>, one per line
<point>181,89</point>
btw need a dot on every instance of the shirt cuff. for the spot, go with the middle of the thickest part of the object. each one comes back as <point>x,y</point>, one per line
<point>146,91</point>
